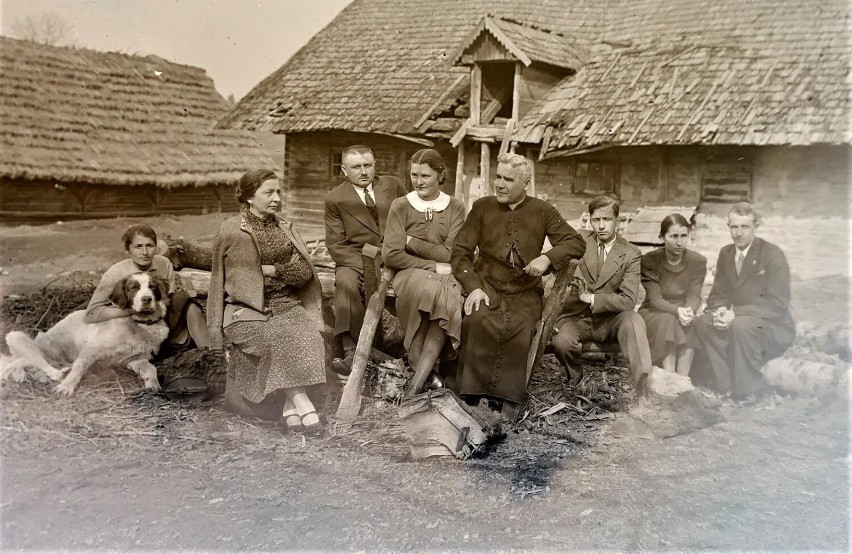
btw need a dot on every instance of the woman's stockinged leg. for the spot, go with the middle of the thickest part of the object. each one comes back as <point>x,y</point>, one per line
<point>304,407</point>
<point>291,415</point>
<point>417,342</point>
<point>684,360</point>
<point>196,324</point>
<point>669,363</point>
<point>432,345</point>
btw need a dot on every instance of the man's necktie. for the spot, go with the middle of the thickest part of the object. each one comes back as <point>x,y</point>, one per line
<point>371,206</point>
<point>601,257</point>
<point>739,261</point>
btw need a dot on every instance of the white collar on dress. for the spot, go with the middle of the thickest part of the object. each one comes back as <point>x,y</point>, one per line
<point>438,205</point>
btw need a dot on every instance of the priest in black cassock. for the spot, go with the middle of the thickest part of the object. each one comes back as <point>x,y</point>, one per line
<point>503,283</point>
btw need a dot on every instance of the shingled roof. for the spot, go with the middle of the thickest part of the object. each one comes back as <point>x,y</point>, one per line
<point>76,115</point>
<point>726,72</point>
<point>381,64</point>
<point>655,71</point>
<point>526,43</point>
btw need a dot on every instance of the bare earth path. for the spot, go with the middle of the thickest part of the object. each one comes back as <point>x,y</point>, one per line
<point>773,477</point>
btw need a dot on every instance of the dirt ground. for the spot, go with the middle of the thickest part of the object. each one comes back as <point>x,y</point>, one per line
<point>112,470</point>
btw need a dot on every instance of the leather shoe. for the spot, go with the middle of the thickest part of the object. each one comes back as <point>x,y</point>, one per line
<point>343,366</point>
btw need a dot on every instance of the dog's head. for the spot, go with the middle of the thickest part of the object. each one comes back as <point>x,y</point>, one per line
<point>142,292</point>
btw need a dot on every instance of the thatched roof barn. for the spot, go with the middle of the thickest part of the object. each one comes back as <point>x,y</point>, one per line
<point>115,134</point>
<point>652,100</point>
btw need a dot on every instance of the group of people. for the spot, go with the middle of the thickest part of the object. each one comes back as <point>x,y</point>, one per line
<point>467,286</point>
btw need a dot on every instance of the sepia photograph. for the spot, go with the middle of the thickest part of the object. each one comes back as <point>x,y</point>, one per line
<point>425,275</point>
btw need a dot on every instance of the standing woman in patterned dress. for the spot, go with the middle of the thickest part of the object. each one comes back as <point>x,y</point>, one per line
<point>265,299</point>
<point>419,235</point>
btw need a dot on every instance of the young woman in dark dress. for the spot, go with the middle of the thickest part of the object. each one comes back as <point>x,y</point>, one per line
<point>672,277</point>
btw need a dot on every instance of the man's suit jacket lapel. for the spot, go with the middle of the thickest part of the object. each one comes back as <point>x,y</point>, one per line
<point>614,260</point>
<point>589,261</point>
<point>749,264</point>
<point>352,203</point>
<point>383,196</point>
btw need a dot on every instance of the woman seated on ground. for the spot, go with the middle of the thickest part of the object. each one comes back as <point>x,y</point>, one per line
<point>186,321</point>
<point>672,277</point>
<point>265,298</point>
<point>419,236</point>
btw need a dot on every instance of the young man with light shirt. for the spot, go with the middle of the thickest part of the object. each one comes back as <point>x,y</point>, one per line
<point>747,320</point>
<point>605,290</point>
<point>355,215</point>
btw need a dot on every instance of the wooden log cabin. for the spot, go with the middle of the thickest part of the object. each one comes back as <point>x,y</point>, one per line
<point>87,134</point>
<point>656,102</point>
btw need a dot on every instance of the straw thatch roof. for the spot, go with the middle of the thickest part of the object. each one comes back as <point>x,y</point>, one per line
<point>653,71</point>
<point>76,115</point>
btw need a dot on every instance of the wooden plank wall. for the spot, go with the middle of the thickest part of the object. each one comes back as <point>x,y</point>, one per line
<point>47,200</point>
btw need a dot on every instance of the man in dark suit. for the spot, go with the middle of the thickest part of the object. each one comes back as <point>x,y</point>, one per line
<point>747,320</point>
<point>600,305</point>
<point>355,215</point>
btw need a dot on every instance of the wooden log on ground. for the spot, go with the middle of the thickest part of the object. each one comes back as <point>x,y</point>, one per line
<point>671,405</point>
<point>549,314</point>
<point>437,424</point>
<point>797,376</point>
<point>350,402</point>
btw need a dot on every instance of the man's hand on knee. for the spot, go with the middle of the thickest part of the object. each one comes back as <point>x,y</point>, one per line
<point>472,303</point>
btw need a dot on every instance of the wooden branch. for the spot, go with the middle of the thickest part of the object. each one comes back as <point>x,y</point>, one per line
<point>350,402</point>
<point>551,311</point>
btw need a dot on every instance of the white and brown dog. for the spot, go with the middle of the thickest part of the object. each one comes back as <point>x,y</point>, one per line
<point>126,341</point>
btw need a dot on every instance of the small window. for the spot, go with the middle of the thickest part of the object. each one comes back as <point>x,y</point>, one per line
<point>336,168</point>
<point>596,177</point>
<point>726,181</point>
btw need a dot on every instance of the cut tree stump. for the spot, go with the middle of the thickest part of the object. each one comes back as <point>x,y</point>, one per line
<point>183,253</point>
<point>671,405</point>
<point>350,402</point>
<point>437,424</point>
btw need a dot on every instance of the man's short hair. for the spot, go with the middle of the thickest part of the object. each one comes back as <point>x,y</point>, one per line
<point>744,208</point>
<point>523,165</point>
<point>356,149</point>
<point>604,201</point>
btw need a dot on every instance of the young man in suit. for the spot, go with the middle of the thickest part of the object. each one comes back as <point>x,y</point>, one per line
<point>747,320</point>
<point>355,215</point>
<point>605,290</point>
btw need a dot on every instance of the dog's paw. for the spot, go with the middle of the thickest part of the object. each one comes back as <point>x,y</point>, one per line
<point>58,374</point>
<point>64,389</point>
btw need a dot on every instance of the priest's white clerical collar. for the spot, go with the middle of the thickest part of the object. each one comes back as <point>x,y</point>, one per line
<point>437,205</point>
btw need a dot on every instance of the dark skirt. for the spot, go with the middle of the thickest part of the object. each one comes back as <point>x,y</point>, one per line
<point>665,333</point>
<point>440,296</point>
<point>495,345</point>
<point>282,352</point>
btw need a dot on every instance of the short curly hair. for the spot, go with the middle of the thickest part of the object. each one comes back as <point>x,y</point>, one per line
<point>251,181</point>
<point>138,230</point>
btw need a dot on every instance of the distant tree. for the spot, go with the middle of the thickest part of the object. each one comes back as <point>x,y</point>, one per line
<point>43,27</point>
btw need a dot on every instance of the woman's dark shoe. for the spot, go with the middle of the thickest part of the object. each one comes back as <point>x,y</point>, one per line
<point>294,423</point>
<point>311,423</point>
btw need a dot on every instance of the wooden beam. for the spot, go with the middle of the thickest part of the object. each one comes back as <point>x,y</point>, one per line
<point>475,93</point>
<point>507,136</point>
<point>516,93</point>
<point>440,99</point>
<point>485,164</point>
<point>483,132</point>
<point>350,401</point>
<point>459,192</point>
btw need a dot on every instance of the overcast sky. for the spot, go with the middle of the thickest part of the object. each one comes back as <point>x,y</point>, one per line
<point>238,42</point>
